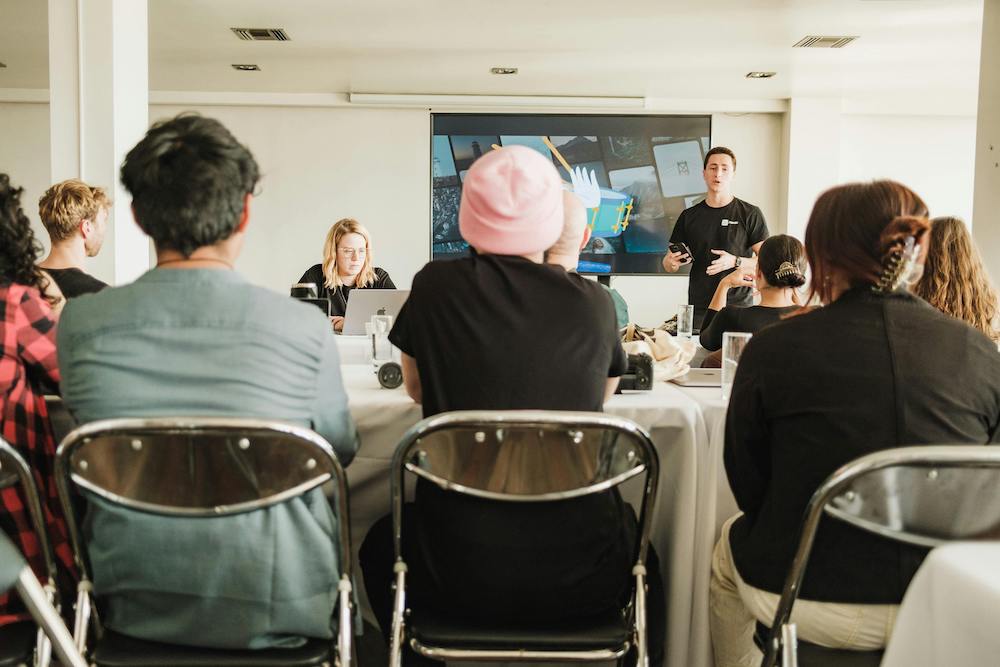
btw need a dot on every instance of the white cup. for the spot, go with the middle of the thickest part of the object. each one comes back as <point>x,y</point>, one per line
<point>733,343</point>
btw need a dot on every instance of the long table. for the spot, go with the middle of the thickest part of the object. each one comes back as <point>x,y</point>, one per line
<point>686,427</point>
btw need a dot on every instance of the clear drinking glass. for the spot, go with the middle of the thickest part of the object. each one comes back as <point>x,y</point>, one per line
<point>685,321</point>
<point>378,349</point>
<point>733,343</point>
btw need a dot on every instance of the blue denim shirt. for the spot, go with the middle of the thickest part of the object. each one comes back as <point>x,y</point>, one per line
<point>203,342</point>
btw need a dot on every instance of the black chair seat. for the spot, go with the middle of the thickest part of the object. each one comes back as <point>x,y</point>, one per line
<point>17,641</point>
<point>116,650</point>
<point>813,655</point>
<point>439,629</point>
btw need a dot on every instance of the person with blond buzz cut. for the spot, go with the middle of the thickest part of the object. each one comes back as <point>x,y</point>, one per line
<point>76,217</point>
<point>566,250</point>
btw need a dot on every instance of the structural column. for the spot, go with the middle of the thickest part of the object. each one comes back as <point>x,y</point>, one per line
<point>99,109</point>
<point>986,202</point>
<point>812,140</point>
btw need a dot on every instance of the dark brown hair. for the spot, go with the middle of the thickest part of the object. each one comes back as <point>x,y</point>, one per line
<point>855,229</point>
<point>955,280</point>
<point>719,150</point>
<point>782,261</point>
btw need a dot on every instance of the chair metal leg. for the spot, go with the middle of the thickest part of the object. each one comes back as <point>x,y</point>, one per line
<point>641,636</point>
<point>789,646</point>
<point>48,619</point>
<point>398,609</point>
<point>81,615</point>
<point>346,627</point>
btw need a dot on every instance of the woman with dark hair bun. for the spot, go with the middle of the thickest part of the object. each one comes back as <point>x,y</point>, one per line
<point>781,269</point>
<point>28,331</point>
<point>875,367</point>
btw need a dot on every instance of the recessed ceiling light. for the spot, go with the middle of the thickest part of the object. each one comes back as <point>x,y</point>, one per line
<point>248,67</point>
<point>760,75</point>
<point>503,70</point>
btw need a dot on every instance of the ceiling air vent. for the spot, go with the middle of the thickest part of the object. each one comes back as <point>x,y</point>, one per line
<point>246,67</point>
<point>823,42</point>
<point>3,65</point>
<point>261,34</point>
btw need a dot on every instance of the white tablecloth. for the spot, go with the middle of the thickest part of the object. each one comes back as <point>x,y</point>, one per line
<point>951,612</point>
<point>351,349</point>
<point>685,425</point>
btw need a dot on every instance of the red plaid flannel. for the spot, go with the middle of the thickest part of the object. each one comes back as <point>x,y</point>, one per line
<point>28,328</point>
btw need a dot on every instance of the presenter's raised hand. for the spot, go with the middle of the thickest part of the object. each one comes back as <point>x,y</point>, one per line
<point>723,262</point>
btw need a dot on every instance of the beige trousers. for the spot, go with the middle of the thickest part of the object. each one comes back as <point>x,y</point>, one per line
<point>735,607</point>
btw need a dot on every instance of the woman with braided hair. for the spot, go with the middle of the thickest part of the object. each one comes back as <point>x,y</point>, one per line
<point>28,332</point>
<point>874,368</point>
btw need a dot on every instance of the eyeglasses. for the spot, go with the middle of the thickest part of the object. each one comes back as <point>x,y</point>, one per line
<point>352,252</point>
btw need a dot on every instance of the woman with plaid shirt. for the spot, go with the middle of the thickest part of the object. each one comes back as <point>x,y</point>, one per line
<point>28,330</point>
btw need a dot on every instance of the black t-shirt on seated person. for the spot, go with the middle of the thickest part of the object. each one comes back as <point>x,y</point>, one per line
<point>734,228</point>
<point>494,332</point>
<point>499,332</point>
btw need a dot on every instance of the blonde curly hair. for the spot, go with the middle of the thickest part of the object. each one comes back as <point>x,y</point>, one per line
<point>954,279</point>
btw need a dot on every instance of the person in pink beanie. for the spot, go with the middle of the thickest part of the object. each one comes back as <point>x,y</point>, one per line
<point>498,330</point>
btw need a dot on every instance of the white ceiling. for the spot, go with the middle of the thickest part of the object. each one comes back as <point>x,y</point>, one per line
<point>926,50</point>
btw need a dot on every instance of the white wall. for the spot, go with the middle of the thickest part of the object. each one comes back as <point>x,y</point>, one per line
<point>933,155</point>
<point>986,223</point>
<point>320,165</point>
<point>24,156</point>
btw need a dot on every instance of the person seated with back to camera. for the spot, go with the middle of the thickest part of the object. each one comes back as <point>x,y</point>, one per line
<point>192,338</point>
<point>27,363</point>
<point>875,368</point>
<point>781,269</point>
<point>502,330</point>
<point>955,281</point>
<point>566,251</point>
<point>76,217</point>
<point>347,265</point>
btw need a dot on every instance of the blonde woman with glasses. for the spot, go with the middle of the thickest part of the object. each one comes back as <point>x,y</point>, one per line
<point>347,264</point>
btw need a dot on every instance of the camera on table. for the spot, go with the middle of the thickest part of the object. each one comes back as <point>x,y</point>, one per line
<point>639,374</point>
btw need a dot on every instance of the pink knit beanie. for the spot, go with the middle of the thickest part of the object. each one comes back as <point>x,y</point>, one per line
<point>512,203</point>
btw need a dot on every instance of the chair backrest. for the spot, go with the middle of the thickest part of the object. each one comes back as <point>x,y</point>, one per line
<point>518,456</point>
<point>14,470</point>
<point>195,467</point>
<point>924,496</point>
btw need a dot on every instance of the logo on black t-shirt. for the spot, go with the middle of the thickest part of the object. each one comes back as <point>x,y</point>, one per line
<point>726,221</point>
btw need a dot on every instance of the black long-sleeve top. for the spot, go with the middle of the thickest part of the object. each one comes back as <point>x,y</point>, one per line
<point>865,373</point>
<point>338,297</point>
<point>748,319</point>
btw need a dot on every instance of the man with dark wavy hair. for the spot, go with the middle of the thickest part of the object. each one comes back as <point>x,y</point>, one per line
<point>191,337</point>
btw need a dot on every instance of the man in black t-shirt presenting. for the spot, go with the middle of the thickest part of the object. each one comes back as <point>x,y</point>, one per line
<point>723,234</point>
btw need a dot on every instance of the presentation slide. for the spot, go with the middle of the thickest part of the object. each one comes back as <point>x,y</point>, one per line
<point>649,169</point>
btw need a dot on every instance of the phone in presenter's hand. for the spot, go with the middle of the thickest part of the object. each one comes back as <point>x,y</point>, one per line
<point>683,249</point>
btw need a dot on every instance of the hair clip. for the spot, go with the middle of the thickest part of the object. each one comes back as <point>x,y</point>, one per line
<point>786,269</point>
<point>901,267</point>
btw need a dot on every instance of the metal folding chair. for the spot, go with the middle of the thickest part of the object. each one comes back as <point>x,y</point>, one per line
<point>199,467</point>
<point>923,496</point>
<point>512,457</point>
<point>15,640</point>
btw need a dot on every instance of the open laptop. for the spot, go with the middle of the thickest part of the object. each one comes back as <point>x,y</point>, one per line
<point>700,377</point>
<point>363,303</point>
